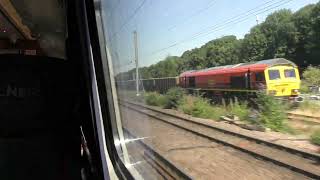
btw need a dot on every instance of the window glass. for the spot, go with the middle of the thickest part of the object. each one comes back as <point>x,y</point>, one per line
<point>289,73</point>
<point>274,74</point>
<point>153,45</point>
<point>192,81</point>
<point>33,27</point>
<point>260,77</point>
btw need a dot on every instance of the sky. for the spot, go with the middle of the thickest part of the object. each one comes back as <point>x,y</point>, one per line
<point>170,27</point>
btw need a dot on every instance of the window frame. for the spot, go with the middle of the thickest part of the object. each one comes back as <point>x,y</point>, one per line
<point>103,111</point>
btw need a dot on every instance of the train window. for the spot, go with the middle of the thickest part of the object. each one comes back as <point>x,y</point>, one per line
<point>192,82</point>
<point>260,77</point>
<point>172,122</point>
<point>25,29</point>
<point>238,82</point>
<point>274,74</point>
<point>289,73</point>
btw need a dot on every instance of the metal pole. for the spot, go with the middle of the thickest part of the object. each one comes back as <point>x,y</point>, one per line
<point>137,61</point>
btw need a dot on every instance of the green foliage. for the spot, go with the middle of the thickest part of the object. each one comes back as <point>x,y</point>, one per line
<point>309,105</point>
<point>315,137</point>
<point>304,34</point>
<point>165,68</point>
<point>304,88</point>
<point>169,101</point>
<point>312,75</point>
<point>272,112</point>
<point>155,99</point>
<point>222,51</point>
<point>295,36</point>
<point>254,45</point>
<point>280,32</point>
<point>200,107</point>
<point>239,109</point>
<point>174,95</point>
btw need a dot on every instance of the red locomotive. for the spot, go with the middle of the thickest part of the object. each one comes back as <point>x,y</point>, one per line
<point>278,77</point>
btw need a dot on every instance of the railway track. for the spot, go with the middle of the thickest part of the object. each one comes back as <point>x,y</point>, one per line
<point>304,118</point>
<point>164,167</point>
<point>299,161</point>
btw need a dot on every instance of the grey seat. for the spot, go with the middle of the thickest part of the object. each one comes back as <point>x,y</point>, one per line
<point>38,133</point>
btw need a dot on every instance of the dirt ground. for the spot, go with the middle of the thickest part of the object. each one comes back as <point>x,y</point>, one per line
<point>199,157</point>
<point>307,112</point>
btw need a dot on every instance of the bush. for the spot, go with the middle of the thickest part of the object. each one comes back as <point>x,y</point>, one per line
<point>200,107</point>
<point>174,95</point>
<point>169,100</point>
<point>239,109</point>
<point>311,75</point>
<point>304,88</point>
<point>155,99</point>
<point>272,113</point>
<point>315,137</point>
<point>309,105</point>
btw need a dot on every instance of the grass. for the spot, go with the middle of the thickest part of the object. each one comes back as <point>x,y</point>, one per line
<point>170,100</point>
<point>239,109</point>
<point>131,95</point>
<point>200,107</point>
<point>315,137</point>
<point>272,113</point>
<point>174,96</point>
<point>155,99</point>
<point>309,106</point>
<point>304,87</point>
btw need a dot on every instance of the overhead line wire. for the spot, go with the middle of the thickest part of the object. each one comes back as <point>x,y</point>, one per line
<point>210,4</point>
<point>129,19</point>
<point>240,20</point>
<point>201,33</point>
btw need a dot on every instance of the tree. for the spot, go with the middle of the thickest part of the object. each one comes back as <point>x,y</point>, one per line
<point>254,45</point>
<point>315,15</point>
<point>314,47</point>
<point>311,76</point>
<point>145,73</point>
<point>194,62</point>
<point>305,34</point>
<point>165,68</point>
<point>294,36</point>
<point>223,51</point>
<point>279,31</point>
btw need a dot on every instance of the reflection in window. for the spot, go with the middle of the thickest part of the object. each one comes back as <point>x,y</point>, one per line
<point>190,58</point>
<point>274,74</point>
<point>260,77</point>
<point>289,73</point>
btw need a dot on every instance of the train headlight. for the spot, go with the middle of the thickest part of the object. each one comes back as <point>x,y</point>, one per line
<point>295,90</point>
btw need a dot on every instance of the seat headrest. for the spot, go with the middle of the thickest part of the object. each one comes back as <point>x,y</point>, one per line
<point>35,93</point>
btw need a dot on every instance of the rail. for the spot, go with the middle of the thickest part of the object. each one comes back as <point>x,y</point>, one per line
<point>166,166</point>
<point>300,161</point>
<point>305,118</point>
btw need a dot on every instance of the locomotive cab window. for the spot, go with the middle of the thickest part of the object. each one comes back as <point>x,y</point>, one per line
<point>274,74</point>
<point>192,81</point>
<point>289,73</point>
<point>260,77</point>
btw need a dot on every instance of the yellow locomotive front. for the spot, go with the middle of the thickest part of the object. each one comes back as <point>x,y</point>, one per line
<point>282,80</point>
